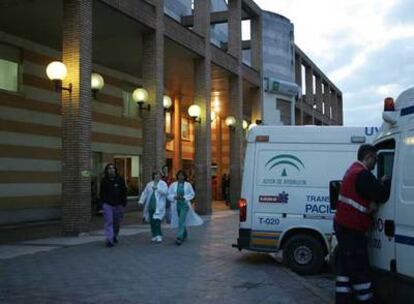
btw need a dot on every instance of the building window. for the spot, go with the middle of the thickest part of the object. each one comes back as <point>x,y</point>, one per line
<point>185,129</point>
<point>9,68</point>
<point>168,127</point>
<point>303,76</point>
<point>129,106</point>
<point>313,84</point>
<point>129,168</point>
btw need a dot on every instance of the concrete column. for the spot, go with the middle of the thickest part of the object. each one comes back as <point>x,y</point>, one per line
<point>202,95</point>
<point>235,28</point>
<point>256,42</point>
<point>153,81</point>
<point>256,97</point>
<point>298,70</point>
<point>309,85</point>
<point>76,116</point>
<point>340,109</point>
<point>236,103</point>
<point>219,154</point>
<point>298,80</point>
<point>327,99</point>
<point>334,105</point>
<point>178,154</point>
<point>202,10</point>
<point>318,95</point>
<point>236,138</point>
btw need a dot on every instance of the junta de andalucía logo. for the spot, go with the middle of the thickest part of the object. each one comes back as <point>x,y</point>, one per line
<point>285,161</point>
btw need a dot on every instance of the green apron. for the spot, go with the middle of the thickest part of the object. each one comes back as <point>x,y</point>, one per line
<point>182,210</point>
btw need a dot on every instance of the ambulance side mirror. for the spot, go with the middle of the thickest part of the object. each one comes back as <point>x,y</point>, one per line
<point>334,187</point>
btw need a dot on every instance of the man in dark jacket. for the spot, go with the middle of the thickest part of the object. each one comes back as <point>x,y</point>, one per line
<point>113,196</point>
<point>359,194</point>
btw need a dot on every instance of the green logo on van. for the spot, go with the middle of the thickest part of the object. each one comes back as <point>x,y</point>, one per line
<point>286,160</point>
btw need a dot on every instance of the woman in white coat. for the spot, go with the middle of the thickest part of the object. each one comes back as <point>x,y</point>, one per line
<point>180,194</point>
<point>154,196</point>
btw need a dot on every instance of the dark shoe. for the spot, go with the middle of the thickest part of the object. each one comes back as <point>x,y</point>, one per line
<point>115,240</point>
<point>178,242</point>
<point>109,244</point>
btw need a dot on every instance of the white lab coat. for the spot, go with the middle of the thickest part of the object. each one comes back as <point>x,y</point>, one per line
<point>160,197</point>
<point>192,218</point>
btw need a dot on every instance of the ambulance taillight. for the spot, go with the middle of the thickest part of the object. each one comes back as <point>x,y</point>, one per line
<point>243,209</point>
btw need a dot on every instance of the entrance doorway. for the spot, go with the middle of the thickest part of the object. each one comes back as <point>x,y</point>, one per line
<point>129,167</point>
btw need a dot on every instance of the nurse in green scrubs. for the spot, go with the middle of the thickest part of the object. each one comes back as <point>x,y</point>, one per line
<point>182,214</point>
<point>182,209</point>
<point>154,197</point>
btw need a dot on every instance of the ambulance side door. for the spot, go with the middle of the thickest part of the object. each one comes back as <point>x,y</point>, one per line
<point>404,219</point>
<point>381,245</point>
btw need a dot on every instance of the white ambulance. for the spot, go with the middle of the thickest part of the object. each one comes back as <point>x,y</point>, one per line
<point>284,205</point>
<point>391,239</point>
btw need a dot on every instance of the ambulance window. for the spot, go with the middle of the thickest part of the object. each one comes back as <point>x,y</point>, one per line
<point>408,161</point>
<point>385,164</point>
<point>385,158</point>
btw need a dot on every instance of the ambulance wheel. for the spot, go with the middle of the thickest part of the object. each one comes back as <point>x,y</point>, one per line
<point>304,254</point>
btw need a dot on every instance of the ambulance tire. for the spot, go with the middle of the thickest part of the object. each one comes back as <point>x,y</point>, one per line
<point>303,254</point>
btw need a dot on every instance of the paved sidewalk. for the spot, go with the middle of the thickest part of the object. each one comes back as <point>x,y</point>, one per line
<point>205,269</point>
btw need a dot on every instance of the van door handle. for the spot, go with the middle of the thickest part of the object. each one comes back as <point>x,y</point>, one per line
<point>389,228</point>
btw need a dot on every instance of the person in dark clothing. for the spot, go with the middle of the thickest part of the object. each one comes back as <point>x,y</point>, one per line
<point>94,196</point>
<point>113,196</point>
<point>225,187</point>
<point>359,197</point>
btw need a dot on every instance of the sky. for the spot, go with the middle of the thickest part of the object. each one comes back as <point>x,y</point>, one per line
<point>366,47</point>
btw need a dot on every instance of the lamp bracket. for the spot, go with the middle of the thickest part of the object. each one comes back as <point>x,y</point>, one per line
<point>141,106</point>
<point>59,87</point>
<point>197,120</point>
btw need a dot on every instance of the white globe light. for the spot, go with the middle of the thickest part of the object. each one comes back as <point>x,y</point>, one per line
<point>230,121</point>
<point>97,82</point>
<point>167,102</point>
<point>56,70</point>
<point>245,124</point>
<point>194,111</point>
<point>140,95</point>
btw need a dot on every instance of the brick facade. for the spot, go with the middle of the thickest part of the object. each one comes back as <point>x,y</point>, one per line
<point>153,81</point>
<point>98,128</point>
